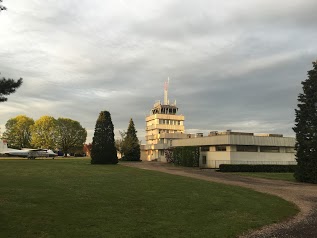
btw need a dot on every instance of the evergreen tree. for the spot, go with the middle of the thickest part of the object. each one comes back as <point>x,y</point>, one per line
<point>103,149</point>
<point>2,7</point>
<point>8,86</point>
<point>131,145</point>
<point>306,129</point>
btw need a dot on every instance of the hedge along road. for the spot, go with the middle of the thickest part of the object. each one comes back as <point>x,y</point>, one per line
<point>303,195</point>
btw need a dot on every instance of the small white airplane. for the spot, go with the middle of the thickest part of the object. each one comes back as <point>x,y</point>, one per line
<point>26,153</point>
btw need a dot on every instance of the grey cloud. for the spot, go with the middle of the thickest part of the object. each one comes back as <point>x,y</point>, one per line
<point>232,65</point>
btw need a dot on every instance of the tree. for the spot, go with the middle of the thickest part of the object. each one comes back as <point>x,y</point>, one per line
<point>2,7</point>
<point>131,144</point>
<point>44,132</point>
<point>119,142</point>
<point>103,149</point>
<point>70,135</point>
<point>8,86</point>
<point>18,132</point>
<point>306,129</point>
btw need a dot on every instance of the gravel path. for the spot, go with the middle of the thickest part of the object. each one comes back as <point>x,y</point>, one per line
<point>303,195</point>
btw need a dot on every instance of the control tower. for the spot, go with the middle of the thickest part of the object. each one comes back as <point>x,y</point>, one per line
<point>162,126</point>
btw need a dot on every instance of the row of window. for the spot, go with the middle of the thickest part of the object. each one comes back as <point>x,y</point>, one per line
<point>169,122</point>
<point>167,131</point>
<point>251,148</point>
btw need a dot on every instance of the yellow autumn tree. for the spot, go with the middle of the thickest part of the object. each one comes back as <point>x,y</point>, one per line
<point>44,133</point>
<point>18,132</point>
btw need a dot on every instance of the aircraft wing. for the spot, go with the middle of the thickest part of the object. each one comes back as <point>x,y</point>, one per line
<point>8,151</point>
<point>27,149</point>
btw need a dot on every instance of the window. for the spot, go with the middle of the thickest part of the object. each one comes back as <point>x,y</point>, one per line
<point>204,159</point>
<point>162,152</point>
<point>275,149</point>
<point>204,148</point>
<point>221,148</point>
<point>247,148</point>
<point>290,150</point>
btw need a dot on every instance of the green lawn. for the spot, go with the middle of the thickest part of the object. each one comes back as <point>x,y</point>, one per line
<point>276,176</point>
<point>71,198</point>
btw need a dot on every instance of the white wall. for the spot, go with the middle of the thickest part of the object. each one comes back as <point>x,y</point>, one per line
<point>214,158</point>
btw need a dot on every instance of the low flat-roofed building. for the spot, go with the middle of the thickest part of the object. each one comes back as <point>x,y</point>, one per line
<point>230,147</point>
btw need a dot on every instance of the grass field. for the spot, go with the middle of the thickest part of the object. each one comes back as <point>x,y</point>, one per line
<point>276,176</point>
<point>71,198</point>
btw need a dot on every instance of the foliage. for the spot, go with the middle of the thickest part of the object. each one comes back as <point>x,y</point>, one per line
<point>306,129</point>
<point>131,145</point>
<point>169,155</point>
<point>69,198</point>
<point>8,86</point>
<point>187,156</point>
<point>103,149</point>
<point>270,168</point>
<point>2,7</point>
<point>44,133</point>
<point>18,132</point>
<point>70,135</point>
<point>119,142</point>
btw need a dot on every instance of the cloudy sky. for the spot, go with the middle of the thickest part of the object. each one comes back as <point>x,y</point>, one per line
<point>232,64</point>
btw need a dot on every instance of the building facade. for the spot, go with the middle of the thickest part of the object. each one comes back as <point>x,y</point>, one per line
<point>165,129</point>
<point>241,148</point>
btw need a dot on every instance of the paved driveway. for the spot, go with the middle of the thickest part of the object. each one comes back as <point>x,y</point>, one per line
<point>303,195</point>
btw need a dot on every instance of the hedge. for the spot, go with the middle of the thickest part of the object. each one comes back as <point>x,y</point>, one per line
<point>270,168</point>
<point>187,156</point>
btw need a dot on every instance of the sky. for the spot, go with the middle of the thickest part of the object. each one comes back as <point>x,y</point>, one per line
<point>232,64</point>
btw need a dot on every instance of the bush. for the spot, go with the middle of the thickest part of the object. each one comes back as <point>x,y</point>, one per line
<point>270,168</point>
<point>187,156</point>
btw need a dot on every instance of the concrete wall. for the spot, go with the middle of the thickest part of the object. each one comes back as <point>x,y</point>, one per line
<point>215,158</point>
<point>212,157</point>
<point>236,140</point>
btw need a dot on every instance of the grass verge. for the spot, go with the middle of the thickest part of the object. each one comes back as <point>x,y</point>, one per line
<point>71,198</point>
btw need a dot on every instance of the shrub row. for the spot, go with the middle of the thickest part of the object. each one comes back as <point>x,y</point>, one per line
<point>187,156</point>
<point>273,168</point>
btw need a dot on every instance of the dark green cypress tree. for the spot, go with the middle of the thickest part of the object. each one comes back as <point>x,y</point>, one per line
<point>131,145</point>
<point>103,149</point>
<point>306,129</point>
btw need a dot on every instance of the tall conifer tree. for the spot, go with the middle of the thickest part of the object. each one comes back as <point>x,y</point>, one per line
<point>306,129</point>
<point>131,145</point>
<point>103,149</point>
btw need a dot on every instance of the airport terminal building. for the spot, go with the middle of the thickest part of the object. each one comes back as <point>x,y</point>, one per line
<point>165,129</point>
<point>230,147</point>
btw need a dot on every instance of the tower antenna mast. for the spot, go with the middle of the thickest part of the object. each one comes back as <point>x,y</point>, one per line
<point>166,84</point>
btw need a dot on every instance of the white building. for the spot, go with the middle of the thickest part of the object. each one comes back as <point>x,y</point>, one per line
<point>241,148</point>
<point>165,128</point>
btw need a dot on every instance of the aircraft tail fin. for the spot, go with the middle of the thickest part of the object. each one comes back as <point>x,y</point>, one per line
<point>3,145</point>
